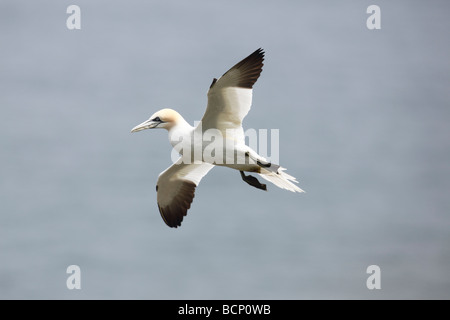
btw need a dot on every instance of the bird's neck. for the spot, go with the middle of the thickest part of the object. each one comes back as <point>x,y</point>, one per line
<point>180,131</point>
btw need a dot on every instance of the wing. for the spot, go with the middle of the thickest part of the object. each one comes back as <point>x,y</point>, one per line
<point>176,188</point>
<point>230,97</point>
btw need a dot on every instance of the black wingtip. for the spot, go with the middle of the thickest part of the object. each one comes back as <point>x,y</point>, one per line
<point>251,68</point>
<point>260,51</point>
<point>258,54</point>
<point>173,213</point>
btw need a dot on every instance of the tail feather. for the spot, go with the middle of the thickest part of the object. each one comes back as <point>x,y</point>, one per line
<point>274,173</point>
<point>281,179</point>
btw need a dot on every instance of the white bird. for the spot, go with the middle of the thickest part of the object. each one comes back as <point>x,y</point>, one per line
<point>229,101</point>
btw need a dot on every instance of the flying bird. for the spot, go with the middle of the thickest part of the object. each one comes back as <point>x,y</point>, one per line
<point>229,101</point>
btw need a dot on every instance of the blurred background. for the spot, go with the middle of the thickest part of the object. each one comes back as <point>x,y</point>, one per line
<point>364,126</point>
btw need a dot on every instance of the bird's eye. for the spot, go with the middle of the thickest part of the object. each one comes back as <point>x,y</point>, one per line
<point>157,119</point>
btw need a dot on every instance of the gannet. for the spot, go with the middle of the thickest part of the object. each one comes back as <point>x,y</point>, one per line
<point>229,101</point>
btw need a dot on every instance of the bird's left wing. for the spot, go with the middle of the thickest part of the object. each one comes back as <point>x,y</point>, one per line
<point>176,188</point>
<point>230,97</point>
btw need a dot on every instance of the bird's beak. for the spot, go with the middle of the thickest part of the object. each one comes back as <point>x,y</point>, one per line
<point>149,124</point>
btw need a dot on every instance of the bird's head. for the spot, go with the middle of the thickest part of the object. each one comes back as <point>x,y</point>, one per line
<point>165,118</point>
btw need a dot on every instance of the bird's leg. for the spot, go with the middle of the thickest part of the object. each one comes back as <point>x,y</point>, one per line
<point>253,181</point>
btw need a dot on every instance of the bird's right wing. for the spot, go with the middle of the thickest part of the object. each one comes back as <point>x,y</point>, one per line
<point>230,97</point>
<point>176,188</point>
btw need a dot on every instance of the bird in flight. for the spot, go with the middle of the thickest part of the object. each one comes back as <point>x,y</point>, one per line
<point>229,101</point>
